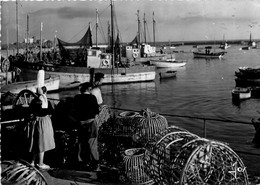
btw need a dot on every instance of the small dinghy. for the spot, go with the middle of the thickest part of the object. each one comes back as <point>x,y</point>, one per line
<point>167,74</point>
<point>241,93</point>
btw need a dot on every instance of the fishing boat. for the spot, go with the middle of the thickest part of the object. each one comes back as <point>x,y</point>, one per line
<point>247,82</point>
<point>167,74</point>
<point>80,61</point>
<point>249,74</point>
<point>51,83</point>
<point>168,63</point>
<point>224,45</point>
<point>250,45</point>
<point>208,53</point>
<point>139,51</point>
<point>241,93</point>
<point>6,77</point>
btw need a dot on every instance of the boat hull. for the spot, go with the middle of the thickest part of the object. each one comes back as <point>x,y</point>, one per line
<point>70,74</point>
<point>246,82</point>
<point>167,74</point>
<point>52,84</point>
<point>168,64</point>
<point>6,77</point>
<point>241,93</point>
<point>204,55</point>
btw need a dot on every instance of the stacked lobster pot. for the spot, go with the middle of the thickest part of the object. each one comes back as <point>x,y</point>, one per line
<point>146,125</point>
<point>141,126</point>
<point>177,156</point>
<point>173,155</point>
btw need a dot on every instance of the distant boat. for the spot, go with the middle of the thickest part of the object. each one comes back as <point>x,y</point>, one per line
<point>246,48</point>
<point>207,52</point>
<point>167,74</point>
<point>52,84</point>
<point>224,45</point>
<point>241,93</point>
<point>168,63</point>
<point>250,45</point>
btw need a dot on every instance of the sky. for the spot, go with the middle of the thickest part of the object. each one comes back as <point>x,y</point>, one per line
<point>176,20</point>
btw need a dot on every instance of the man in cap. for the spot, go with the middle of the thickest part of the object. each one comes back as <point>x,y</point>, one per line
<point>87,108</point>
<point>99,77</point>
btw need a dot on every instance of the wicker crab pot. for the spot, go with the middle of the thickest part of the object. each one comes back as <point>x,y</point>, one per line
<point>177,156</point>
<point>134,168</point>
<point>149,123</point>
<point>125,125</point>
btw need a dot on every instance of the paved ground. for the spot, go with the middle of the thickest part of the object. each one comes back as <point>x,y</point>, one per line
<point>83,177</point>
<point>70,177</point>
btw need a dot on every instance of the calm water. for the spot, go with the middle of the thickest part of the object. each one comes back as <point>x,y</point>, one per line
<point>202,89</point>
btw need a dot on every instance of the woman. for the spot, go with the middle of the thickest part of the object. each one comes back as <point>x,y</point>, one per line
<point>40,130</point>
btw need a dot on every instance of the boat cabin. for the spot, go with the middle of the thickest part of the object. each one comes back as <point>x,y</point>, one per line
<point>143,50</point>
<point>97,59</point>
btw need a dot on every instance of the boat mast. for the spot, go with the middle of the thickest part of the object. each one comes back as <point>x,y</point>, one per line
<point>112,34</point>
<point>41,42</point>
<point>17,27</point>
<point>108,35</point>
<point>96,27</point>
<point>27,36</point>
<point>7,43</point>
<point>144,29</point>
<point>153,30</point>
<point>138,27</point>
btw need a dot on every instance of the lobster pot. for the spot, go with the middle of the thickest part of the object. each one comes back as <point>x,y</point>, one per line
<point>180,157</point>
<point>134,168</point>
<point>124,124</point>
<point>150,123</point>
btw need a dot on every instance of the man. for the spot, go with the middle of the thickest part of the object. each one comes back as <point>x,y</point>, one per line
<point>99,77</point>
<point>87,108</point>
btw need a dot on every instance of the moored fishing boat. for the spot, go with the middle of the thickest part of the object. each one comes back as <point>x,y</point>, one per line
<point>80,61</point>
<point>167,74</point>
<point>139,51</point>
<point>247,82</point>
<point>208,53</point>
<point>241,93</point>
<point>250,45</point>
<point>168,63</point>
<point>224,46</point>
<point>51,83</point>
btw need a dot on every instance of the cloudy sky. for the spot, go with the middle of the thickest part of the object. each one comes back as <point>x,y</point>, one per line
<point>176,20</point>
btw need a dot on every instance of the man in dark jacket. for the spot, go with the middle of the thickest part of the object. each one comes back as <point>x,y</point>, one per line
<point>87,108</point>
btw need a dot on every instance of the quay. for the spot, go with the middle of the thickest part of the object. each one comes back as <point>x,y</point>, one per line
<point>109,175</point>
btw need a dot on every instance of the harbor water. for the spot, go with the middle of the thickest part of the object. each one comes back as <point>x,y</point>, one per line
<point>201,89</point>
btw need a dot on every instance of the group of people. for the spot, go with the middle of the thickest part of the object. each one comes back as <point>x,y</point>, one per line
<point>40,132</point>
